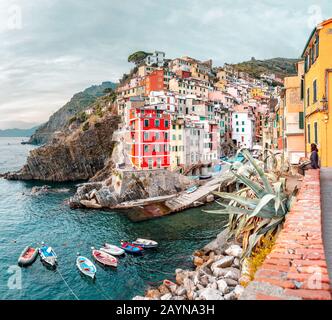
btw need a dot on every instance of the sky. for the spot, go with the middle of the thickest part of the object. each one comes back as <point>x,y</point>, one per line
<point>52,49</point>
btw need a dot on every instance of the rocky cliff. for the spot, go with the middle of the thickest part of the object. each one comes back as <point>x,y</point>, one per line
<point>78,153</point>
<point>78,103</point>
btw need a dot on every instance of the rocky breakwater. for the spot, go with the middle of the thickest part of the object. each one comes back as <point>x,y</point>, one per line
<point>217,275</point>
<point>78,155</point>
<point>121,186</point>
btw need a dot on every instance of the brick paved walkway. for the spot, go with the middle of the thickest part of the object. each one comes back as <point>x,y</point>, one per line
<point>326,191</point>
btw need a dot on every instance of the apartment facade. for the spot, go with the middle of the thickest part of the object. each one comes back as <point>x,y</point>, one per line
<point>317,90</point>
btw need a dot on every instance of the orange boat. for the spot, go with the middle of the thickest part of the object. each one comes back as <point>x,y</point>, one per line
<point>28,256</point>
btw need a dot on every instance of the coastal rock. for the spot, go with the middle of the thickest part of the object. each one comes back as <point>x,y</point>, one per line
<point>224,262</point>
<point>181,291</point>
<point>231,282</point>
<point>230,296</point>
<point>73,157</point>
<point>92,204</point>
<point>153,294</point>
<point>198,261</point>
<point>238,291</point>
<point>232,273</point>
<point>235,251</point>
<point>219,244</point>
<point>163,289</point>
<point>210,294</point>
<point>236,263</point>
<point>167,296</point>
<point>222,286</point>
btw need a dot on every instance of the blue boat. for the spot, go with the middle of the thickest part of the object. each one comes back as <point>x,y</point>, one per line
<point>131,248</point>
<point>48,255</point>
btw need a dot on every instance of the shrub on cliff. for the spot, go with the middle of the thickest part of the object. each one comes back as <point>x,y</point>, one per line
<point>86,126</point>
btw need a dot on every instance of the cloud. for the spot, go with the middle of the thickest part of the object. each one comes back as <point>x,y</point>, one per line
<point>64,46</point>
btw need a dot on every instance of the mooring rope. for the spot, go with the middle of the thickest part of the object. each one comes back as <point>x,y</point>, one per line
<point>71,290</point>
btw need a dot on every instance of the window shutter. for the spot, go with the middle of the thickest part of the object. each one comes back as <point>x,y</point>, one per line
<point>301,120</point>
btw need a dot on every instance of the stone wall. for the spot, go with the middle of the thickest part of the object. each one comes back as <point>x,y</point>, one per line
<point>296,268</point>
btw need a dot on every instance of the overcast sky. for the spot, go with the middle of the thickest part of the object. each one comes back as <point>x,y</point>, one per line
<point>51,49</point>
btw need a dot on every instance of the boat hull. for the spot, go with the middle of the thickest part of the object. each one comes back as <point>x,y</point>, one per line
<point>131,248</point>
<point>112,250</point>
<point>28,257</point>
<point>48,256</point>
<point>145,244</point>
<point>86,267</point>
<point>104,258</point>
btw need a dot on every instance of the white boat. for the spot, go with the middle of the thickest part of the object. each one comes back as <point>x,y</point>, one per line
<point>112,250</point>
<point>145,244</point>
<point>86,266</point>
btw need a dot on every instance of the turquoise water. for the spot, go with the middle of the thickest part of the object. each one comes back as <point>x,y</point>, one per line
<point>26,219</point>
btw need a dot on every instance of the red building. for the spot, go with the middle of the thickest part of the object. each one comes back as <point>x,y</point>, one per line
<point>155,81</point>
<point>150,138</point>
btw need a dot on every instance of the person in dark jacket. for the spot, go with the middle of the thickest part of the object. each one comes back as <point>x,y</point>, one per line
<point>314,158</point>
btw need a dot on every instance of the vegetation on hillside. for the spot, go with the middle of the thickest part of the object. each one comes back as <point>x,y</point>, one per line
<point>282,67</point>
<point>138,57</point>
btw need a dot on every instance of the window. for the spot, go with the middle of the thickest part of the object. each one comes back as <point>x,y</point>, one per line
<point>166,123</point>
<point>166,135</point>
<point>146,135</point>
<point>309,134</point>
<point>317,47</point>
<point>243,123</point>
<point>315,91</point>
<point>302,89</point>
<point>237,129</point>
<point>174,137</point>
<point>237,123</point>
<point>180,137</point>
<point>146,148</point>
<point>157,136</point>
<point>146,123</point>
<point>236,116</point>
<point>301,120</point>
<point>308,97</point>
<point>316,132</point>
<point>157,123</point>
<point>242,129</point>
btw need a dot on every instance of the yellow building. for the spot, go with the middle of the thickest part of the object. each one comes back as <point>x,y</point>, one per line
<point>177,145</point>
<point>256,92</point>
<point>317,90</point>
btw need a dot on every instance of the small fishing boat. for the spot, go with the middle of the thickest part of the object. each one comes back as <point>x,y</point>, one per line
<point>28,256</point>
<point>48,255</point>
<point>112,250</point>
<point>131,248</point>
<point>86,266</point>
<point>104,258</point>
<point>192,189</point>
<point>145,244</point>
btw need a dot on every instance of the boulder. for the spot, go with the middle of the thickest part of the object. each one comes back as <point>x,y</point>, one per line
<point>90,204</point>
<point>153,294</point>
<point>198,261</point>
<point>236,263</point>
<point>167,296</point>
<point>222,286</point>
<point>163,289</point>
<point>225,262</point>
<point>230,296</point>
<point>238,291</point>
<point>219,244</point>
<point>234,250</point>
<point>181,291</point>
<point>233,273</point>
<point>231,282</point>
<point>210,294</point>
